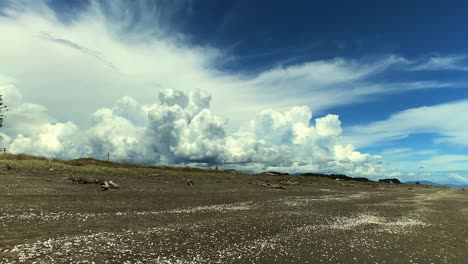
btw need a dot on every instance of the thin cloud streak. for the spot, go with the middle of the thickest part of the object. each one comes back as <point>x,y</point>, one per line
<point>78,47</point>
<point>444,120</point>
<point>443,63</point>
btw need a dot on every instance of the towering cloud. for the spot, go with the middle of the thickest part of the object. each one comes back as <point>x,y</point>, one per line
<point>181,129</point>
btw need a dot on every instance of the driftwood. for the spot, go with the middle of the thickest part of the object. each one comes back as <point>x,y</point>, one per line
<point>269,185</point>
<point>109,184</point>
<point>83,180</point>
<point>113,185</point>
<point>392,181</point>
<point>105,184</point>
<point>289,182</point>
<point>274,173</point>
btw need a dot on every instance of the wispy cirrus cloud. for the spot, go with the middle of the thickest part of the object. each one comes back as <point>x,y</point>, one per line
<point>443,63</point>
<point>68,43</point>
<point>458,177</point>
<point>444,120</point>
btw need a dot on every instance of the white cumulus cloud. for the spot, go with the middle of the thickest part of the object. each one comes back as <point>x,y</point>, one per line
<point>181,129</point>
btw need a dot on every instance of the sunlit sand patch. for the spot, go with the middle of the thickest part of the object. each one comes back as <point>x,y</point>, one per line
<point>46,216</point>
<point>87,246</point>
<point>360,195</point>
<point>391,204</point>
<point>199,209</point>
<point>123,245</point>
<point>216,208</point>
<point>303,201</point>
<point>435,196</point>
<point>249,249</point>
<point>464,211</point>
<point>176,260</point>
<point>61,215</point>
<point>295,202</point>
<point>273,245</point>
<point>383,224</point>
<point>327,190</point>
<point>139,246</point>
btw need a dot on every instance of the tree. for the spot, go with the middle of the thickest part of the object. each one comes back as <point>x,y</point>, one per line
<point>3,109</point>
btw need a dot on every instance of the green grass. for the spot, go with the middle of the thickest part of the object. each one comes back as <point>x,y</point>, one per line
<point>98,168</point>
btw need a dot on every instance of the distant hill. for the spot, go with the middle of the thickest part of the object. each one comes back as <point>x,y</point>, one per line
<point>392,180</point>
<point>336,176</point>
<point>424,182</point>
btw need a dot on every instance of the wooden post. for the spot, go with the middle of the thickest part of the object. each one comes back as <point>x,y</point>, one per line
<point>4,150</point>
<point>108,156</point>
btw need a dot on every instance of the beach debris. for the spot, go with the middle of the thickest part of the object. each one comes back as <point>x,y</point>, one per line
<point>336,176</point>
<point>109,184</point>
<point>289,182</point>
<point>392,181</point>
<point>189,182</point>
<point>274,173</point>
<point>7,167</point>
<point>83,180</point>
<point>269,185</point>
<point>113,185</point>
<point>105,184</point>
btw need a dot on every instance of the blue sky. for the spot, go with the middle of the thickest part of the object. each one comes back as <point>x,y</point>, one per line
<point>388,79</point>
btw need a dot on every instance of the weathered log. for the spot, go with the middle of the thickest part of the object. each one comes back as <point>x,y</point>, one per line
<point>113,185</point>
<point>105,186</point>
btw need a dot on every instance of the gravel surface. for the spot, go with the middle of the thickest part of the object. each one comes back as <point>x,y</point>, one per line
<point>50,220</point>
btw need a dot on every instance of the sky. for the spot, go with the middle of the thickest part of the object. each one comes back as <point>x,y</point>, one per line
<point>362,88</point>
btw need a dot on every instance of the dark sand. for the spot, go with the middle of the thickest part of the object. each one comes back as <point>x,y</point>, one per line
<point>153,219</point>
